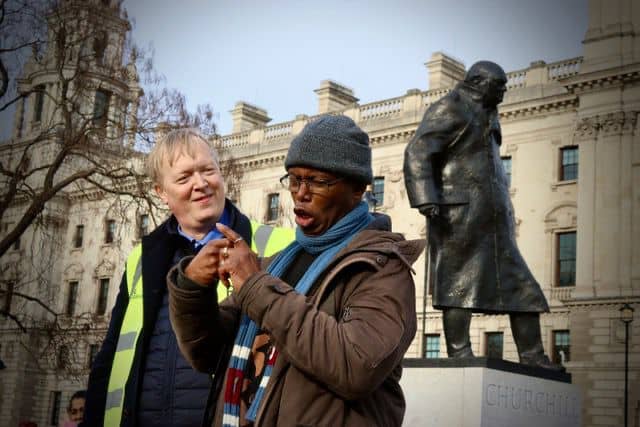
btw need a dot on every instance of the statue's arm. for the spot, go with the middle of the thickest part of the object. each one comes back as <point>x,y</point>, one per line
<point>440,126</point>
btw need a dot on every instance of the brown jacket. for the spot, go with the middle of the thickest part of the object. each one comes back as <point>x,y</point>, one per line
<point>340,348</point>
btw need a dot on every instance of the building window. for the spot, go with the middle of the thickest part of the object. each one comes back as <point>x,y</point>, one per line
<point>569,163</point>
<point>93,352</point>
<point>61,44</point>
<point>506,164</point>
<point>103,293</point>
<point>561,347</point>
<point>100,46</point>
<point>56,397</point>
<point>109,231</point>
<point>143,225</point>
<point>78,236</point>
<point>39,104</point>
<point>378,190</point>
<point>274,207</point>
<point>21,121</point>
<point>431,346</point>
<point>72,298</point>
<point>566,259</point>
<point>63,357</point>
<point>101,108</point>
<point>494,345</point>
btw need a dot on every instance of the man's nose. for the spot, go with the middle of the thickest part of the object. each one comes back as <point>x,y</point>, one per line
<point>199,180</point>
<point>303,192</point>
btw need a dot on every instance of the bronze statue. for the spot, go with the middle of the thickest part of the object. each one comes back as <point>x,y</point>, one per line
<point>454,176</point>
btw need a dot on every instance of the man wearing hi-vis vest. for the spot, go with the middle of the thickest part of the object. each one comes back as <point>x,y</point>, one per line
<point>139,377</point>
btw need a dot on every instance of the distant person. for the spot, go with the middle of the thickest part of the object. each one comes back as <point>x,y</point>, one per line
<point>319,331</point>
<point>75,410</point>
<point>139,377</point>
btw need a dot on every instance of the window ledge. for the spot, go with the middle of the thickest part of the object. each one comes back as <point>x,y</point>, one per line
<point>568,182</point>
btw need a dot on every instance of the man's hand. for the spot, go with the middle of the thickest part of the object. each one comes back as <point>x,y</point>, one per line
<point>237,261</point>
<point>203,268</point>
<point>429,210</point>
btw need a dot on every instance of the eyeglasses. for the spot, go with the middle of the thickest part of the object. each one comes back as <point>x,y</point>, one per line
<point>315,186</point>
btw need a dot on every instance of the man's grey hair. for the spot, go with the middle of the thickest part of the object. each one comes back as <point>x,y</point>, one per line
<point>174,143</point>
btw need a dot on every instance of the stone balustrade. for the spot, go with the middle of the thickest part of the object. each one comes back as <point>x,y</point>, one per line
<point>377,110</point>
<point>431,96</point>
<point>564,69</point>
<point>516,79</point>
<point>278,131</point>
<point>235,139</point>
<point>562,293</point>
<point>552,72</point>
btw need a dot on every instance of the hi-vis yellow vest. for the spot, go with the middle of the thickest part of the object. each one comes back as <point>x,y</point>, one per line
<point>266,241</point>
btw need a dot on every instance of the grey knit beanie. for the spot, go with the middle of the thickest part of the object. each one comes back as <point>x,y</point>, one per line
<point>333,144</point>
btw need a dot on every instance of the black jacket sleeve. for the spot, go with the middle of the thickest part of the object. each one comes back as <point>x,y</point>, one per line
<point>101,367</point>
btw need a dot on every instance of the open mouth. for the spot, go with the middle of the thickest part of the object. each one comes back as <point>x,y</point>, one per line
<point>303,219</point>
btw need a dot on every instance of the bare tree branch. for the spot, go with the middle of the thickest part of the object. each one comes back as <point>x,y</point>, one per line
<point>71,147</point>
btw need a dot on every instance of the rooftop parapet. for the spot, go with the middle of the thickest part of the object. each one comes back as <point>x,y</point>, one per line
<point>409,108</point>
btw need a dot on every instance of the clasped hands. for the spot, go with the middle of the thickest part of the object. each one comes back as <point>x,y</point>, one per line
<point>229,259</point>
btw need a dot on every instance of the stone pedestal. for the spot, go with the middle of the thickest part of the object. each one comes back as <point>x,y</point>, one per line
<point>482,392</point>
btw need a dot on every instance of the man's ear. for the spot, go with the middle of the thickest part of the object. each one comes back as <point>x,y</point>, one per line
<point>161,193</point>
<point>358,192</point>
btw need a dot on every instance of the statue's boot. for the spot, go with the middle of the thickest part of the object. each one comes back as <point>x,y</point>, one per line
<point>456,323</point>
<point>526,333</point>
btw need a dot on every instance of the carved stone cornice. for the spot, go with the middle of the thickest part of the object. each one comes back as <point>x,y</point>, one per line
<point>253,163</point>
<point>277,157</point>
<point>587,127</point>
<point>608,124</point>
<point>587,302</point>
<point>391,138</point>
<point>620,122</point>
<point>586,82</point>
<point>531,108</point>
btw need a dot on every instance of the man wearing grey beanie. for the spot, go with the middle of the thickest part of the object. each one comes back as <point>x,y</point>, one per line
<point>318,331</point>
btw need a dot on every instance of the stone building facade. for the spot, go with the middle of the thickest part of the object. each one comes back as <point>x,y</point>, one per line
<point>571,145</point>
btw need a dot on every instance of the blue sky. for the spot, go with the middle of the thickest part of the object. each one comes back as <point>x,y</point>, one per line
<point>273,54</point>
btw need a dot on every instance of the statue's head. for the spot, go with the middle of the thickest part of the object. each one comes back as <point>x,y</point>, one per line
<point>490,79</point>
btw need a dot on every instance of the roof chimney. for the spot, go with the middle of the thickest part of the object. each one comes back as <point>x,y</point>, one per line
<point>333,96</point>
<point>247,117</point>
<point>444,71</point>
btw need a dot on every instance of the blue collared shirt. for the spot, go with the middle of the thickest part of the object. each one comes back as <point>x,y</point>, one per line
<point>211,235</point>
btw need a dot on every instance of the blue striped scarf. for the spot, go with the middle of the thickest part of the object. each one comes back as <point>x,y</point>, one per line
<point>326,246</point>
